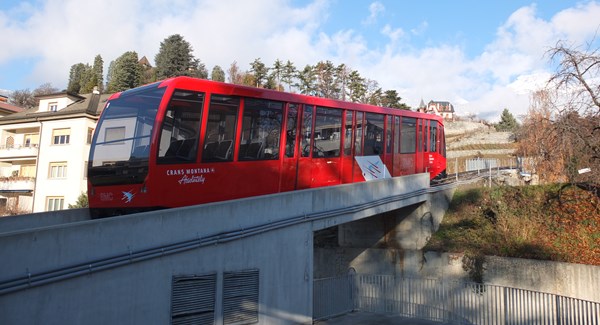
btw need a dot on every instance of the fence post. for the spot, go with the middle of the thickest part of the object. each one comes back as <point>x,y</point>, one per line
<point>490,165</point>
<point>506,305</point>
<point>456,168</point>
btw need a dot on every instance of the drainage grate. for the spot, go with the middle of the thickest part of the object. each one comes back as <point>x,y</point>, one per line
<point>193,299</point>
<point>240,297</point>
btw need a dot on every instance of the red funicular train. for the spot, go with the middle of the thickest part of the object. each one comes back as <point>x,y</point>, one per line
<point>186,141</point>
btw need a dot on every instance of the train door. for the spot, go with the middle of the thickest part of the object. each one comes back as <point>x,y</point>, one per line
<point>388,157</point>
<point>348,143</point>
<point>304,168</point>
<point>419,154</point>
<point>396,169</point>
<point>408,145</point>
<point>358,146</point>
<point>289,168</point>
<point>326,147</point>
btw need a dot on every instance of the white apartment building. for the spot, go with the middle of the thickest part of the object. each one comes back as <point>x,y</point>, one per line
<point>44,152</point>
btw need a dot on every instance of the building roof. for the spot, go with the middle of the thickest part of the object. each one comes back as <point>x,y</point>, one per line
<point>9,108</point>
<point>88,104</point>
<point>444,105</point>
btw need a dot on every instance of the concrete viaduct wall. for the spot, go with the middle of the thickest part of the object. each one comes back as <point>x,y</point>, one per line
<point>121,270</point>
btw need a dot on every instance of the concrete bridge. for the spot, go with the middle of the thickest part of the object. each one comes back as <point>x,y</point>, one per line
<point>235,262</point>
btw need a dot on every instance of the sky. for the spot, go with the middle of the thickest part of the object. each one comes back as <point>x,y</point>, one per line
<point>481,56</point>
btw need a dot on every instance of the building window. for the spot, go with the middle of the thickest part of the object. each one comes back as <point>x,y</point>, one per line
<point>61,136</point>
<point>90,135</point>
<point>114,135</point>
<point>53,107</point>
<point>54,203</point>
<point>58,170</point>
<point>10,142</point>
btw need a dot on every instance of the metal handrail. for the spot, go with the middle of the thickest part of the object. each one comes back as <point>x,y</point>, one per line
<point>453,302</point>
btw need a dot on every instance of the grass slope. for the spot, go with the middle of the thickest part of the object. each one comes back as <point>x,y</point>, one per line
<point>553,222</point>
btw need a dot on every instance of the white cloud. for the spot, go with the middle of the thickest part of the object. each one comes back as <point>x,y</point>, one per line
<point>60,33</point>
<point>375,9</point>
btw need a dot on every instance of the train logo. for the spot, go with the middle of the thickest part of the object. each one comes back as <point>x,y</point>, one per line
<point>127,196</point>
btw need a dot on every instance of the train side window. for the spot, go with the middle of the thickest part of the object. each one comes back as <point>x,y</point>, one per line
<point>181,128</point>
<point>396,134</point>
<point>328,124</point>
<point>261,129</point>
<point>348,134</point>
<point>307,120</point>
<point>292,126</point>
<point>388,135</point>
<point>374,134</point>
<point>408,135</point>
<point>220,128</point>
<point>358,134</point>
<point>433,138</point>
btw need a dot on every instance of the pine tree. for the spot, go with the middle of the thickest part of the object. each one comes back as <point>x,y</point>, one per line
<point>307,80</point>
<point>82,202</point>
<point>507,122</point>
<point>277,73</point>
<point>217,74</point>
<point>125,72</point>
<point>98,72</point>
<point>259,71</point>
<point>356,87</point>
<point>88,80</point>
<point>75,75</point>
<point>175,58</point>
<point>289,71</point>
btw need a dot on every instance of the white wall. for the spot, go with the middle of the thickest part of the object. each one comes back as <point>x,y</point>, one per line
<point>75,153</point>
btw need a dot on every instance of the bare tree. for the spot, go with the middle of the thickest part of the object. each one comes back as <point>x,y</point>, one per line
<point>561,133</point>
<point>577,75</point>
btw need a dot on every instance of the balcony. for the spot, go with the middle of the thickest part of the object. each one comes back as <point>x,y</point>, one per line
<point>19,151</point>
<point>17,184</point>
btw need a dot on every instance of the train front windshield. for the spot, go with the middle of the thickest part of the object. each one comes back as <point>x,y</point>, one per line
<point>121,145</point>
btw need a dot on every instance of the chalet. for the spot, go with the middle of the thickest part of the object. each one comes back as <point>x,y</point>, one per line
<point>439,108</point>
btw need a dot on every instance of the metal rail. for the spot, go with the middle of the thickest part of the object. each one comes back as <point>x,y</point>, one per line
<point>448,301</point>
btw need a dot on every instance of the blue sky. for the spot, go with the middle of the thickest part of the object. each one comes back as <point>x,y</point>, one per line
<point>483,56</point>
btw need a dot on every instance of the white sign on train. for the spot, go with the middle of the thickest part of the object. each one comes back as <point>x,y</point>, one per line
<point>372,167</point>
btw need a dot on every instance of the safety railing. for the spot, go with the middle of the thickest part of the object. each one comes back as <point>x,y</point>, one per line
<point>448,301</point>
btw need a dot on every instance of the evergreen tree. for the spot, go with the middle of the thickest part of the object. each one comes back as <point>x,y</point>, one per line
<point>98,72</point>
<point>217,74</point>
<point>342,73</point>
<point>82,202</point>
<point>325,73</point>
<point>356,87</point>
<point>287,76</point>
<point>391,99</point>
<point>277,73</point>
<point>259,71</point>
<point>88,80</point>
<point>109,74</point>
<point>75,76</point>
<point>199,71</point>
<point>507,122</point>
<point>307,80</point>
<point>125,72</point>
<point>175,58</point>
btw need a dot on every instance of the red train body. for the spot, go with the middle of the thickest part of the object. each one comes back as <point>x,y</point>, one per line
<point>186,141</point>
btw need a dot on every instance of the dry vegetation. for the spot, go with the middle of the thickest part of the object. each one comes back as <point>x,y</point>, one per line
<point>552,222</point>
